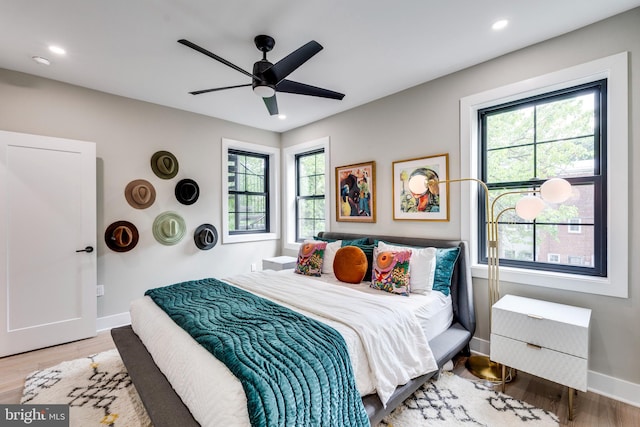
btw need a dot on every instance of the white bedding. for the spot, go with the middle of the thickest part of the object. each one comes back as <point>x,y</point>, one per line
<point>215,397</point>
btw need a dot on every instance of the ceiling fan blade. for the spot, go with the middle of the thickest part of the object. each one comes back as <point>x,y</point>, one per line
<point>289,63</point>
<point>216,57</point>
<point>272,105</point>
<point>289,86</point>
<point>198,92</point>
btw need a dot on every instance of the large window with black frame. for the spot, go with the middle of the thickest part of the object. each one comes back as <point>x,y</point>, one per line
<point>310,197</point>
<point>525,142</point>
<point>248,188</point>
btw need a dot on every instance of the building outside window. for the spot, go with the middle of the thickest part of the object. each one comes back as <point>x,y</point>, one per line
<point>527,141</point>
<point>310,194</point>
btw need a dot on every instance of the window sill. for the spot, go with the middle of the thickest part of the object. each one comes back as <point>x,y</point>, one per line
<point>607,286</point>
<point>241,238</point>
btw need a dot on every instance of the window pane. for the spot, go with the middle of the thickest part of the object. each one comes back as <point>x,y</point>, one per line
<point>573,248</point>
<point>310,188</point>
<point>247,176</point>
<point>510,128</point>
<point>511,164</point>
<point>567,118</point>
<point>566,158</point>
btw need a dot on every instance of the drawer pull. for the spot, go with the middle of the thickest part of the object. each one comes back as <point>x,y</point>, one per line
<point>535,316</point>
<point>537,347</point>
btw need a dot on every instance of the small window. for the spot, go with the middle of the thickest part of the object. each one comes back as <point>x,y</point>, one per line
<point>249,192</point>
<point>574,225</point>
<point>310,197</point>
<point>553,257</point>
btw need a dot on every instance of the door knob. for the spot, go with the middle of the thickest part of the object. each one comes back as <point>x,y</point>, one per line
<point>88,249</point>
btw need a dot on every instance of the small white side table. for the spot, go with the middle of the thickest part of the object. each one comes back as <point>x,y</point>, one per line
<point>279,263</point>
<point>545,339</point>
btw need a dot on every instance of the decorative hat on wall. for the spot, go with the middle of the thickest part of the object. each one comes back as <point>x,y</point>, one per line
<point>187,191</point>
<point>140,194</point>
<point>169,228</point>
<point>164,164</point>
<point>205,237</point>
<point>121,236</point>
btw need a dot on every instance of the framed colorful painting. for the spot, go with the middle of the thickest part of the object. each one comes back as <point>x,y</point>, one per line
<point>416,193</point>
<point>356,192</point>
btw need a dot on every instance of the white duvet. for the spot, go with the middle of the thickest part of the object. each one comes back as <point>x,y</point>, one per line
<point>386,343</point>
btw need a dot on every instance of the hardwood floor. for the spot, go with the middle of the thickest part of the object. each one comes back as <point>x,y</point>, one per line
<point>591,410</point>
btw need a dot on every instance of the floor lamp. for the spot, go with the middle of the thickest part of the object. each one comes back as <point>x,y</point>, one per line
<point>555,190</point>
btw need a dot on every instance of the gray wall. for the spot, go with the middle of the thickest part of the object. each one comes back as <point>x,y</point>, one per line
<point>127,133</point>
<point>424,121</point>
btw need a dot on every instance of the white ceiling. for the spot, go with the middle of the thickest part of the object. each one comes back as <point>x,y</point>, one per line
<point>372,48</point>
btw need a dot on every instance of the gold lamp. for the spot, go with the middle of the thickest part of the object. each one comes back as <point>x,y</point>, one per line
<point>554,190</point>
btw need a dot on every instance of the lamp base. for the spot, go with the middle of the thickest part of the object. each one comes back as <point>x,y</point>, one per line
<point>483,367</point>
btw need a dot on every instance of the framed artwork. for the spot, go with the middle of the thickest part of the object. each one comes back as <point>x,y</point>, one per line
<point>356,192</point>
<point>416,194</point>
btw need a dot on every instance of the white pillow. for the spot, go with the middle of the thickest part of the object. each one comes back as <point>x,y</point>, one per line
<point>422,266</point>
<point>329,255</point>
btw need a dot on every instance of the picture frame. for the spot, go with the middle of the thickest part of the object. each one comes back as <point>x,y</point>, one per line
<point>355,192</point>
<point>414,197</point>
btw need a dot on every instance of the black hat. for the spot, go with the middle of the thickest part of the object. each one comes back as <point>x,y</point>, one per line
<point>121,236</point>
<point>205,237</point>
<point>187,191</point>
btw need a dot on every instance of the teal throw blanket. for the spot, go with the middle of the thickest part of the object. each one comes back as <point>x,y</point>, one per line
<point>295,371</point>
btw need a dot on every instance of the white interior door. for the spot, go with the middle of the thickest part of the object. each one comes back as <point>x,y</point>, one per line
<point>47,214</point>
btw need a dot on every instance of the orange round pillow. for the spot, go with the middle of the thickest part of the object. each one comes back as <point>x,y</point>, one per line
<point>350,264</point>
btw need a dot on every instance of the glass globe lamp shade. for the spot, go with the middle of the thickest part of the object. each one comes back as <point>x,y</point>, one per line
<point>555,190</point>
<point>528,207</point>
<point>264,91</point>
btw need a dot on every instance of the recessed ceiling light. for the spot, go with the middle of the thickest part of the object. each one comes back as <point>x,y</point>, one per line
<point>499,25</point>
<point>57,50</point>
<point>41,60</point>
<point>282,116</point>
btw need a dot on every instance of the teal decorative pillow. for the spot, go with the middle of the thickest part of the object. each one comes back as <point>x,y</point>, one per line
<point>310,258</point>
<point>391,271</point>
<point>356,242</point>
<point>445,261</point>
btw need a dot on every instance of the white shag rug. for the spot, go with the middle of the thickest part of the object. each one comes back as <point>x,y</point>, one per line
<point>454,401</point>
<point>97,389</point>
<point>100,393</point>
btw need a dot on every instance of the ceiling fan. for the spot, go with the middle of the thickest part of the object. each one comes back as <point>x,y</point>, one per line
<point>268,78</point>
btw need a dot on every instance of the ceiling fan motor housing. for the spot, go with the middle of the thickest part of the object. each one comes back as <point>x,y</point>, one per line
<point>258,70</point>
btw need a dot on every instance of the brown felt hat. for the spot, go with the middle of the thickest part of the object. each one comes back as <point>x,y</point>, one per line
<point>121,236</point>
<point>140,194</point>
<point>164,164</point>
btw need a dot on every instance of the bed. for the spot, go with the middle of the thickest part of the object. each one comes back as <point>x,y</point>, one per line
<point>166,408</point>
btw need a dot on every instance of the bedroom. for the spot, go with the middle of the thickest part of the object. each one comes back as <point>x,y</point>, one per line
<point>420,121</point>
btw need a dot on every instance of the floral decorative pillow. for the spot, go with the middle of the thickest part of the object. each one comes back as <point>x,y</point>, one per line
<point>391,271</point>
<point>310,257</point>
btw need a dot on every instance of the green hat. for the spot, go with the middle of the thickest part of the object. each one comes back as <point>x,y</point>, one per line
<point>164,164</point>
<point>169,228</point>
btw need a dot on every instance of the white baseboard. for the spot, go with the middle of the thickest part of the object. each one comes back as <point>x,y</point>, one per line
<point>604,385</point>
<point>113,321</point>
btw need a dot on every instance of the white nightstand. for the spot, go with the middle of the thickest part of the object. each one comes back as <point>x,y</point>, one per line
<point>279,263</point>
<point>542,338</point>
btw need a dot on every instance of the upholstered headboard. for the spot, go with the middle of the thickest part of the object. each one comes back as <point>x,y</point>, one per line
<point>461,284</point>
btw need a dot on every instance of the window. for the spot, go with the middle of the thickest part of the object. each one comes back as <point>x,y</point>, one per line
<point>310,198</point>
<point>574,225</point>
<point>526,141</point>
<point>249,192</point>
<point>598,273</point>
<point>306,189</point>
<point>248,196</point>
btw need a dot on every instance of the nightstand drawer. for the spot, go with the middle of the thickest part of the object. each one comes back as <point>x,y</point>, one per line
<point>555,366</point>
<point>553,326</point>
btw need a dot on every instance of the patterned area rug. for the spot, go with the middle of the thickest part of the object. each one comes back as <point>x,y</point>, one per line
<point>97,389</point>
<point>100,393</point>
<point>454,401</point>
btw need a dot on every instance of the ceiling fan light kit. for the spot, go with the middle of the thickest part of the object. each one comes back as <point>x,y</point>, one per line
<point>268,78</point>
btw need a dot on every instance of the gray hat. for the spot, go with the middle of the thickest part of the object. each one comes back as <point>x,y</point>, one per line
<point>205,237</point>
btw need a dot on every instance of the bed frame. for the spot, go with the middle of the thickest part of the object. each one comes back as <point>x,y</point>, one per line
<point>166,409</point>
